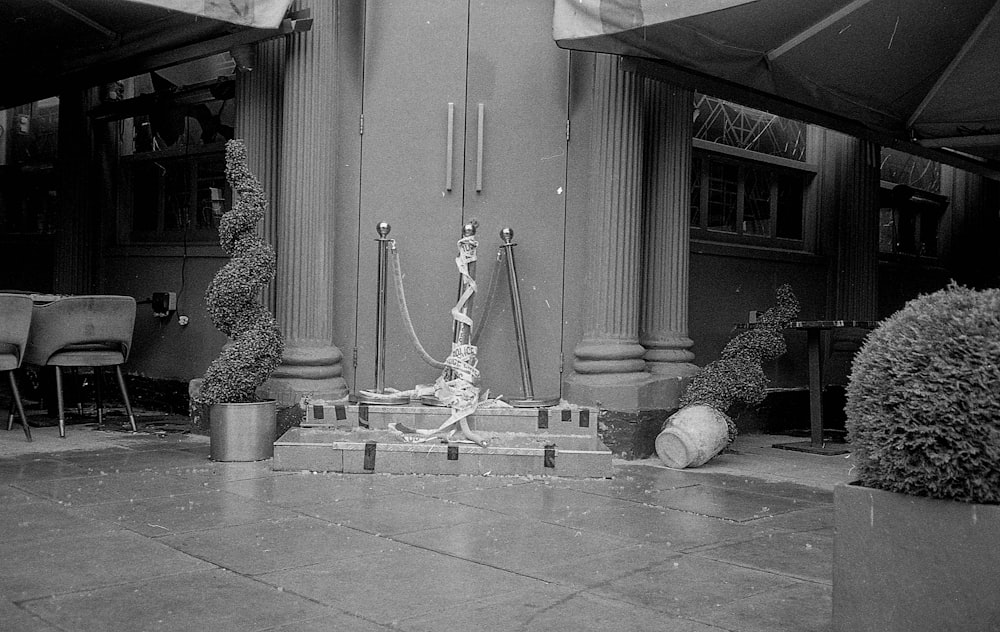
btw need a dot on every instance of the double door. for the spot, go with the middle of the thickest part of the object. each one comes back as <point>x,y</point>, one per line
<point>464,118</point>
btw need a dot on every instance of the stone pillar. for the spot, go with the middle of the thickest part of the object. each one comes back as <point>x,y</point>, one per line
<point>77,235</point>
<point>259,86</point>
<point>312,364</point>
<point>857,163</point>
<point>608,369</point>
<point>851,170</point>
<point>664,325</point>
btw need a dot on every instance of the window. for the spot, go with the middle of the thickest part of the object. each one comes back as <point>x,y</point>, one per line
<point>908,220</point>
<point>748,178</point>
<point>176,195</point>
<point>172,127</point>
<point>747,201</point>
<point>911,205</point>
<point>28,182</point>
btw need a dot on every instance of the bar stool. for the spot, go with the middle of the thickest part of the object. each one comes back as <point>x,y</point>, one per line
<point>15,322</point>
<point>83,331</point>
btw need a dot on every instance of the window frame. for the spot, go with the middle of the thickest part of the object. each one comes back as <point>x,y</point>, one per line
<point>743,159</point>
<point>189,155</point>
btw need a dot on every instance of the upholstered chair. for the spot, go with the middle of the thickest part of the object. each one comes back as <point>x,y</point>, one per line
<point>15,321</point>
<point>83,331</point>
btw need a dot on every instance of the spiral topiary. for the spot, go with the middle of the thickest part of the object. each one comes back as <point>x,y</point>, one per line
<point>232,296</point>
<point>923,400</point>
<point>738,374</point>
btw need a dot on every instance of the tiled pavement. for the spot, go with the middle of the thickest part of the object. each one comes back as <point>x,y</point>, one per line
<point>106,531</point>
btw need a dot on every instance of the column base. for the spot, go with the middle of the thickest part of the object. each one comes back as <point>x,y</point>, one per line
<point>307,369</point>
<point>290,391</point>
<point>625,391</point>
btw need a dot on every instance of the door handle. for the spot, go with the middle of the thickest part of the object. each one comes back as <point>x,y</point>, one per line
<point>450,150</point>
<point>479,151</point>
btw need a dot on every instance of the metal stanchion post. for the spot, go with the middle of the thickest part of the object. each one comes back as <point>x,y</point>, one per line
<point>462,332</point>
<point>378,394</point>
<point>529,400</point>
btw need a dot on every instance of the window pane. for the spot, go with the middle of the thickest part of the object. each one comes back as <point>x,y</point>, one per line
<point>789,220</point>
<point>757,202</point>
<point>696,167</point>
<point>177,195</point>
<point>917,172</point>
<point>211,191</point>
<point>723,189</point>
<point>735,125</point>
<point>146,196</point>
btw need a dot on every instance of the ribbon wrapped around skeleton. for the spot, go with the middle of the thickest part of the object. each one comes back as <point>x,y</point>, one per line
<point>458,385</point>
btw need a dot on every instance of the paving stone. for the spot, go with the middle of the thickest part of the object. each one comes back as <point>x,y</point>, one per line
<point>394,585</point>
<point>111,487</point>
<point>691,586</point>
<point>801,607</point>
<point>514,544</point>
<point>399,513</point>
<point>17,619</point>
<point>648,523</point>
<point>262,547</point>
<point>31,522</point>
<point>551,608</point>
<point>801,555</point>
<point>302,489</point>
<point>32,469</point>
<point>84,561</point>
<point>156,517</point>
<point>730,504</point>
<point>215,600</point>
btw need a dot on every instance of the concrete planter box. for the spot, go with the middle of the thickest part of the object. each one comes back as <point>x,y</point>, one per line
<point>909,563</point>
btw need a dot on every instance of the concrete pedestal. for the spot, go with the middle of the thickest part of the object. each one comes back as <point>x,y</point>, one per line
<point>344,437</point>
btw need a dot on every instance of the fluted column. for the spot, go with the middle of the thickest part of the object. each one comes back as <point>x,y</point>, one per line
<point>857,163</point>
<point>312,364</point>
<point>850,173</point>
<point>259,86</point>
<point>608,366</point>
<point>664,326</point>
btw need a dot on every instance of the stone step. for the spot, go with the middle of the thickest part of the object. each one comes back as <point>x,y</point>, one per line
<point>563,419</point>
<point>365,450</point>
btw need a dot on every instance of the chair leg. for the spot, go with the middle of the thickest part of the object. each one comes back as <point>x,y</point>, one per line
<point>20,406</point>
<point>99,396</point>
<point>128,406</point>
<point>59,402</point>
<point>10,415</point>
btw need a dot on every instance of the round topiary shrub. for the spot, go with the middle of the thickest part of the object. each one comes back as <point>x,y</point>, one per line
<point>923,402</point>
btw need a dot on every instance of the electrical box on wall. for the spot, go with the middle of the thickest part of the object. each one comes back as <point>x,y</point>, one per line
<point>164,303</point>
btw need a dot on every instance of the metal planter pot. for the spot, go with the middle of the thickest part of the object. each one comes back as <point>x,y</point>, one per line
<point>243,432</point>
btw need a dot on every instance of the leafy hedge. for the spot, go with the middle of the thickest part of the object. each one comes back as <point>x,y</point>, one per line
<point>923,402</point>
<point>232,296</point>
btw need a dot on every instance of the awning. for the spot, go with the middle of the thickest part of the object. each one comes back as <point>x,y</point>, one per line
<point>48,46</point>
<point>921,75</point>
<point>262,14</point>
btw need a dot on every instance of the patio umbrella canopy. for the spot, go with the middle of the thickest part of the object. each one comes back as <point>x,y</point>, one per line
<point>54,45</point>
<point>923,74</point>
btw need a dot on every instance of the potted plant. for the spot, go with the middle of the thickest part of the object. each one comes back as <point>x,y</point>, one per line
<point>242,425</point>
<point>917,543</point>
<point>701,428</point>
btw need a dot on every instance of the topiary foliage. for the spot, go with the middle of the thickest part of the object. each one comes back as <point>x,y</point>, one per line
<point>923,401</point>
<point>738,374</point>
<point>232,296</point>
